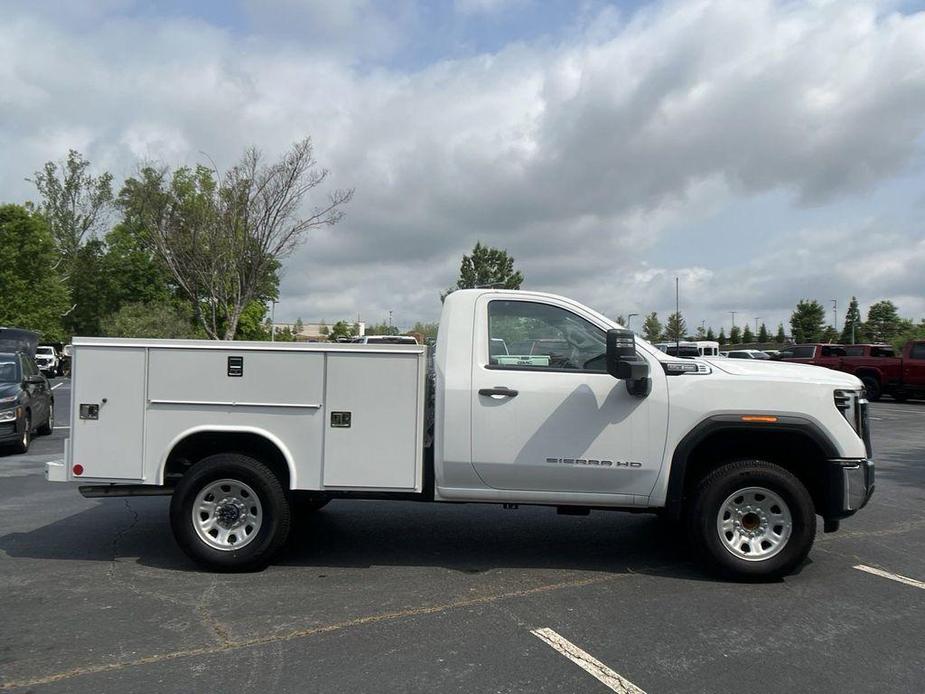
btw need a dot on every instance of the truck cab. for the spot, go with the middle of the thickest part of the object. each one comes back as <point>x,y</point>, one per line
<point>535,399</point>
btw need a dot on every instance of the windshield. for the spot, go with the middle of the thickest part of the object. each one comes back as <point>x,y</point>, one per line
<point>9,370</point>
<point>50,351</point>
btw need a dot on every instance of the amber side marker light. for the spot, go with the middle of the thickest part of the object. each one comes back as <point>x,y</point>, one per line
<point>765,419</point>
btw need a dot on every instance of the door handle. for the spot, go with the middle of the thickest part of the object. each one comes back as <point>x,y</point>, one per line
<point>507,392</point>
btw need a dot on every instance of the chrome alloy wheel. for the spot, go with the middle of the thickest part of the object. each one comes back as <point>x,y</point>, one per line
<point>227,514</point>
<point>754,523</point>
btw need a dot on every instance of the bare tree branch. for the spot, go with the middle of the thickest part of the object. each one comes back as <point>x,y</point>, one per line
<point>223,236</point>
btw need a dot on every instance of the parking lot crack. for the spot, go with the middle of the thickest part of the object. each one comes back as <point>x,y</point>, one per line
<point>117,538</point>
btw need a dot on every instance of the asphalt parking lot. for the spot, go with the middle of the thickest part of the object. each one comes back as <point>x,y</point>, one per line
<point>396,596</point>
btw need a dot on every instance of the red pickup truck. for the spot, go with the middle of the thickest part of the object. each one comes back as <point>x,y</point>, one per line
<point>877,366</point>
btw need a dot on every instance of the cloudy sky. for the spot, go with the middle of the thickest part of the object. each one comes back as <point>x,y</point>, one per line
<point>762,151</point>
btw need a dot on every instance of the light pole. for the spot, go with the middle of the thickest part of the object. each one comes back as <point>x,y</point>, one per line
<point>733,318</point>
<point>756,326</point>
<point>273,321</point>
<point>390,321</point>
<point>834,313</point>
<point>629,319</point>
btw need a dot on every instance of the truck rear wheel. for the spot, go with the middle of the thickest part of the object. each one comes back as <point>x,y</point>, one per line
<point>230,513</point>
<point>752,520</point>
<point>872,386</point>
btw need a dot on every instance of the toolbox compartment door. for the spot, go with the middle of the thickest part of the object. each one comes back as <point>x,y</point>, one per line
<point>372,428</point>
<point>108,410</point>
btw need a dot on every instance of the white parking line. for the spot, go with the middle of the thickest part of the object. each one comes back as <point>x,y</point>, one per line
<point>57,385</point>
<point>893,577</point>
<point>62,427</point>
<point>586,662</point>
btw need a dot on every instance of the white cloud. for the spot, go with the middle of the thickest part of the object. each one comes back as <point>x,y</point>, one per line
<point>471,7</point>
<point>576,155</point>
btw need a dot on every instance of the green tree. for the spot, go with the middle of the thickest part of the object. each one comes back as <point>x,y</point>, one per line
<point>299,326</point>
<point>676,327</point>
<point>151,320</point>
<point>91,289</point>
<point>884,323</point>
<point>620,320</point>
<point>721,338</point>
<point>763,334</point>
<point>854,328</point>
<point>807,321</point>
<point>254,323</point>
<point>32,295</point>
<point>652,328</point>
<point>780,338</point>
<point>747,335</point>
<point>323,329</point>
<point>74,203</point>
<point>341,329</point>
<point>710,334</point>
<point>382,328</point>
<point>136,274</point>
<point>915,332</point>
<point>735,335</point>
<point>701,333</point>
<point>428,330</point>
<point>486,267</point>
<point>829,334</point>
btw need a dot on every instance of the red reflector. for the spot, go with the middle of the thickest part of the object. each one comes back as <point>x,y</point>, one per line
<point>759,418</point>
<point>78,469</point>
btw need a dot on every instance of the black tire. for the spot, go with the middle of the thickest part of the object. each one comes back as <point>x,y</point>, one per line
<point>22,446</point>
<point>49,426</point>
<point>707,503</point>
<point>872,385</point>
<point>275,518</point>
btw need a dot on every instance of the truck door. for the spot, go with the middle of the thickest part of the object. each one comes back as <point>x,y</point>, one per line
<point>914,366</point>
<point>551,418</point>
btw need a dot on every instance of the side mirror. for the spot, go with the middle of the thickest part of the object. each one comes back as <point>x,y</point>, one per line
<point>623,362</point>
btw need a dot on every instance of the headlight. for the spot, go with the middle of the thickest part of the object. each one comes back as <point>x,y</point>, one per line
<point>9,415</point>
<point>8,398</point>
<point>847,402</point>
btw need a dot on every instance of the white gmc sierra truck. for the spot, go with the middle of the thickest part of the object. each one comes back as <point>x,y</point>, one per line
<point>533,399</point>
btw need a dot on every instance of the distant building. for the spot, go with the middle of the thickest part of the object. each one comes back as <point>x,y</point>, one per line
<point>314,332</point>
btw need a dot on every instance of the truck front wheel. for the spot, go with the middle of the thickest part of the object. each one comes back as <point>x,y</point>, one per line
<point>230,513</point>
<point>752,520</point>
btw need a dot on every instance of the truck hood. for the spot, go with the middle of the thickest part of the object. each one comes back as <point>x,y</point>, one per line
<point>775,370</point>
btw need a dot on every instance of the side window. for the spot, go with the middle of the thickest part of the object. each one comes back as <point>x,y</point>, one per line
<point>804,352</point>
<point>881,352</point>
<point>833,351</point>
<point>855,352</point>
<point>524,334</point>
<point>917,351</point>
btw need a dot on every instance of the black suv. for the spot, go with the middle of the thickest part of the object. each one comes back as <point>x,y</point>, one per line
<point>26,401</point>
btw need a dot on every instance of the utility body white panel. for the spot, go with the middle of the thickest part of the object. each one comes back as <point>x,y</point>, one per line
<point>150,395</point>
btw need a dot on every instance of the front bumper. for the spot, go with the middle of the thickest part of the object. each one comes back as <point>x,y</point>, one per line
<point>9,431</point>
<point>850,485</point>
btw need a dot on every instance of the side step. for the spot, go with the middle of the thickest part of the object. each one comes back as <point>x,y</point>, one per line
<point>97,491</point>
